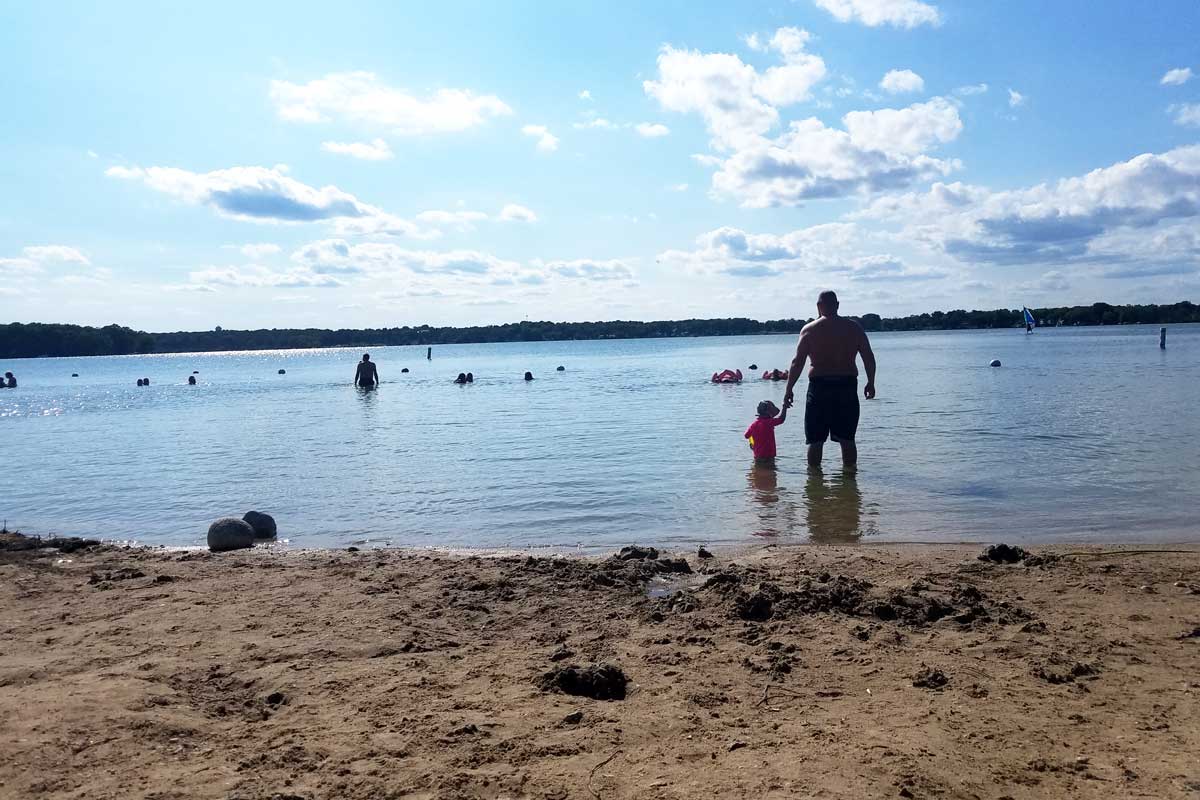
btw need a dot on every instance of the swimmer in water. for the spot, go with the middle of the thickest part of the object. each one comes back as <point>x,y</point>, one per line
<point>367,375</point>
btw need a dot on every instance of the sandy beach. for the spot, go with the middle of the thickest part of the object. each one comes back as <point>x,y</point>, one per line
<point>872,671</point>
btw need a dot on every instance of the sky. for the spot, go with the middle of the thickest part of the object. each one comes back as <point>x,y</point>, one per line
<point>179,167</point>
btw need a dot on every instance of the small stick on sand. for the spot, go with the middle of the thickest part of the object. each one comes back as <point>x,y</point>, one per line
<point>592,774</point>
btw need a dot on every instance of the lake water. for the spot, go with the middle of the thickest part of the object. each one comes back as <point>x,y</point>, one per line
<point>1083,434</point>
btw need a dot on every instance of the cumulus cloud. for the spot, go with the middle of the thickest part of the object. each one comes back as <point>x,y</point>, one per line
<point>651,130</point>
<point>547,142</point>
<point>375,150</point>
<point>249,193</point>
<point>517,213</point>
<point>900,81</point>
<point>1177,76</point>
<point>1015,98</point>
<point>879,150</point>
<point>1185,114</point>
<point>905,131</point>
<point>1111,214</point>
<point>873,13</point>
<point>585,95</point>
<point>678,187</point>
<point>1049,282</point>
<point>361,97</point>
<point>735,100</point>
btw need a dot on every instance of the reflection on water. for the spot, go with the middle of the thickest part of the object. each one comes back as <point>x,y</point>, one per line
<point>776,512</point>
<point>833,506</point>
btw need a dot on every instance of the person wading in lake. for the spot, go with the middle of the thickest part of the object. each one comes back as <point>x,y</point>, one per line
<point>832,343</point>
<point>366,375</point>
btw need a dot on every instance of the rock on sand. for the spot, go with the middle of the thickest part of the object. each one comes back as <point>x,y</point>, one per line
<point>230,533</point>
<point>263,524</point>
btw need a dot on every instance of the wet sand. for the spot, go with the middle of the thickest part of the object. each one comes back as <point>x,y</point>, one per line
<point>872,671</point>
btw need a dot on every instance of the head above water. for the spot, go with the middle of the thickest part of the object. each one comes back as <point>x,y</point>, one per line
<point>767,409</point>
<point>827,303</point>
<point>366,356</point>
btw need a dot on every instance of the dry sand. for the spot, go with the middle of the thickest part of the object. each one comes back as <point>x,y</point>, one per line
<point>884,671</point>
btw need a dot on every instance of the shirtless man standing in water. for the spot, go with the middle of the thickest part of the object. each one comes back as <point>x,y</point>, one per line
<point>366,376</point>
<point>832,343</point>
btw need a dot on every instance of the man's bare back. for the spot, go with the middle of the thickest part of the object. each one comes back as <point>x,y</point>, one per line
<point>832,345</point>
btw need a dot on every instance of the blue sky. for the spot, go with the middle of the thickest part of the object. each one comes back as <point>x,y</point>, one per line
<point>368,164</point>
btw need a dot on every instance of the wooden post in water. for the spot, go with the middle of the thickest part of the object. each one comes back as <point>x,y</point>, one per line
<point>1162,338</point>
<point>429,354</point>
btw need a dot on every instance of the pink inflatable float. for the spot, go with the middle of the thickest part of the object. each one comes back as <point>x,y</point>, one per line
<point>727,376</point>
<point>775,375</point>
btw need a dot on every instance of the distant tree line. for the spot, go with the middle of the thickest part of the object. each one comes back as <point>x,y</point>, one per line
<point>19,340</point>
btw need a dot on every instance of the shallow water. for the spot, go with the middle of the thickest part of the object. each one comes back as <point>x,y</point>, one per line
<point>1084,433</point>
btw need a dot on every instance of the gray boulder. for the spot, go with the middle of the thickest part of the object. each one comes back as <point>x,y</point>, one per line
<point>230,533</point>
<point>263,524</point>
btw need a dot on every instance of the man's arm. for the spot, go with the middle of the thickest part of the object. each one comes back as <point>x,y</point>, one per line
<point>868,359</point>
<point>795,370</point>
<point>375,370</point>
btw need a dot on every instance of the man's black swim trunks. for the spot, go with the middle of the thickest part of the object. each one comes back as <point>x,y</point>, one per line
<point>831,409</point>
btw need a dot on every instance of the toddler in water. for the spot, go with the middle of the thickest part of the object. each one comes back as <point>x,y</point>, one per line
<point>761,433</point>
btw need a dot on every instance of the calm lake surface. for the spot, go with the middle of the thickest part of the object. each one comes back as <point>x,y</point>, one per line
<point>1083,434</point>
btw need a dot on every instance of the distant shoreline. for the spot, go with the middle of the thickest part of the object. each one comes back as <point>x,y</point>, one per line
<point>48,340</point>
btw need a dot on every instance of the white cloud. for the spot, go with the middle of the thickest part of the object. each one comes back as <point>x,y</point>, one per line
<point>973,89</point>
<point>651,130</point>
<point>517,213</point>
<point>906,131</point>
<point>899,81</point>
<point>873,13</point>
<point>249,193</point>
<point>261,277</point>
<point>1015,98</point>
<point>261,194</point>
<point>375,150</point>
<point>1186,113</point>
<point>1129,212</point>
<point>585,95</point>
<point>547,142</point>
<point>259,251</point>
<point>879,150</point>
<point>381,261</point>
<point>361,97</point>
<point>55,253</point>
<point>1177,76</point>
<point>734,99</point>
<point>678,187</point>
<point>587,269</point>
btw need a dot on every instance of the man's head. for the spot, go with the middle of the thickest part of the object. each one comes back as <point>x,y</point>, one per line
<point>366,356</point>
<point>827,303</point>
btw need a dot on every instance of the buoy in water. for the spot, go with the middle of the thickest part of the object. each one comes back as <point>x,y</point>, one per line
<point>560,369</point>
<point>74,374</point>
<point>995,362</point>
<point>283,372</point>
<point>404,370</point>
<point>754,366</point>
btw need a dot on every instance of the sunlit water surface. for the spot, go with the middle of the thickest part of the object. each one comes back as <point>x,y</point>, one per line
<point>1082,434</point>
